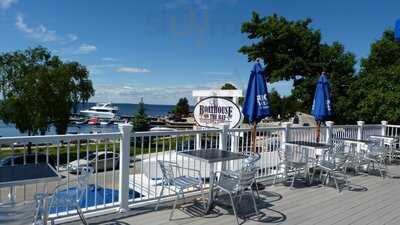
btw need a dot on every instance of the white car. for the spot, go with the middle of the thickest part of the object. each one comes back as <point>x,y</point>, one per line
<point>105,161</point>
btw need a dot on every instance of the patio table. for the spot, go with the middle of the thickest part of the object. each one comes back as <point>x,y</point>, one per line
<point>212,156</point>
<point>317,147</point>
<point>358,142</point>
<point>11,176</point>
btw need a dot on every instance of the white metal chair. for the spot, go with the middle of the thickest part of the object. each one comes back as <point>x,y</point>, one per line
<point>173,177</point>
<point>335,166</point>
<point>235,184</point>
<point>68,195</point>
<point>250,162</point>
<point>295,161</point>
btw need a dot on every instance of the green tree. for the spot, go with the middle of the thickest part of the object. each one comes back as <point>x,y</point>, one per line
<point>181,109</point>
<point>376,91</point>
<point>228,86</point>
<point>39,89</point>
<point>140,120</point>
<point>292,50</point>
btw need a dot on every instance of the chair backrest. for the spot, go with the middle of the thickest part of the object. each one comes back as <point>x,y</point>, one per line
<point>246,177</point>
<point>167,170</point>
<point>250,159</point>
<point>238,180</point>
<point>296,154</point>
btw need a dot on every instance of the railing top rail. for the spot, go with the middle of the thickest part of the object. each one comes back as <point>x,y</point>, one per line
<point>258,129</point>
<point>393,125</point>
<point>179,132</point>
<point>53,138</point>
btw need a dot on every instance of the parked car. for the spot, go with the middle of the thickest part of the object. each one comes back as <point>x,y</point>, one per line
<point>27,159</point>
<point>104,159</point>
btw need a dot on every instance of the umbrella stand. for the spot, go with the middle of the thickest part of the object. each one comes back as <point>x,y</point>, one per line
<point>253,137</point>
<point>318,130</point>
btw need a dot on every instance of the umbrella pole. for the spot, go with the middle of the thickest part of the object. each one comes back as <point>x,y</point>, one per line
<point>318,130</point>
<point>253,137</point>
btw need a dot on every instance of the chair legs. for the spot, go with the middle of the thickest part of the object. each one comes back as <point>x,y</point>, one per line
<point>174,207</point>
<point>81,216</point>
<point>159,198</point>
<point>234,208</point>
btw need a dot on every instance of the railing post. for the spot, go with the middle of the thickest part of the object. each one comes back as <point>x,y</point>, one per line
<point>329,133</point>
<point>384,125</point>
<point>223,137</point>
<point>124,160</point>
<point>285,138</point>
<point>198,138</point>
<point>360,131</point>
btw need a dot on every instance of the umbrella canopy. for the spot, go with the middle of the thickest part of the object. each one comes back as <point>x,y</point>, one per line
<point>397,30</point>
<point>321,108</point>
<point>256,105</point>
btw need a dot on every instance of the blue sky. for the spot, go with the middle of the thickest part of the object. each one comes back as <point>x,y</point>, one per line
<point>163,49</point>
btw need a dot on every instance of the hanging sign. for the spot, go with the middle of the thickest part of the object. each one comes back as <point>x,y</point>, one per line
<point>216,112</point>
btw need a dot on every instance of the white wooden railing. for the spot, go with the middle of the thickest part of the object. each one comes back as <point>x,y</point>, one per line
<point>134,177</point>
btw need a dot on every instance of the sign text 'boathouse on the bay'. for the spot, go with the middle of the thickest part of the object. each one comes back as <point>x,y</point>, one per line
<point>217,111</point>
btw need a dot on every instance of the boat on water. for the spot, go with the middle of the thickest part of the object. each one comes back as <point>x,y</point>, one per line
<point>101,111</point>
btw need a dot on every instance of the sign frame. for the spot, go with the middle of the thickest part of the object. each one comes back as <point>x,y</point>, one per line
<point>219,97</point>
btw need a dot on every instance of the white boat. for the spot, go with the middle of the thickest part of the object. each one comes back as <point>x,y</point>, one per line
<point>101,111</point>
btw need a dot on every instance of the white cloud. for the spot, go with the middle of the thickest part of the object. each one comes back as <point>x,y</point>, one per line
<point>40,33</point>
<point>72,37</point>
<point>218,73</point>
<point>198,4</point>
<point>151,94</point>
<point>108,59</point>
<point>5,4</point>
<point>85,49</point>
<point>131,70</point>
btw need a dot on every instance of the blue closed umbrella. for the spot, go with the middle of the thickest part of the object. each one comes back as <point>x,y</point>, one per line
<point>322,108</point>
<point>397,30</point>
<point>256,104</point>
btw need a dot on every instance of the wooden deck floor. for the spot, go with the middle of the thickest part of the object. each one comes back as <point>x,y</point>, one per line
<point>373,200</point>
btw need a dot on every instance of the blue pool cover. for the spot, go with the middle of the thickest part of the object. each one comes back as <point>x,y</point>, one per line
<point>102,196</point>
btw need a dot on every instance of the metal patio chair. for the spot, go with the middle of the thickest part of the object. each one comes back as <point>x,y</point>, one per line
<point>69,196</point>
<point>236,184</point>
<point>335,165</point>
<point>173,177</point>
<point>376,157</point>
<point>294,161</point>
<point>250,162</point>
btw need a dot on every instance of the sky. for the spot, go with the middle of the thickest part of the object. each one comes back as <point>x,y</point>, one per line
<point>161,50</point>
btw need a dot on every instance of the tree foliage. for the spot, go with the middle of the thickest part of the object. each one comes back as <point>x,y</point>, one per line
<point>376,91</point>
<point>140,120</point>
<point>228,86</point>
<point>181,108</point>
<point>39,89</point>
<point>292,50</point>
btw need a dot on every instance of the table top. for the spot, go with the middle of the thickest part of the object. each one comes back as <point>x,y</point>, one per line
<point>309,144</point>
<point>357,141</point>
<point>212,155</point>
<point>27,174</point>
<point>383,137</point>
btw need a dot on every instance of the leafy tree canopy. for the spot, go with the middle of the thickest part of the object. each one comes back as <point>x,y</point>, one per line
<point>39,89</point>
<point>228,86</point>
<point>181,109</point>
<point>292,50</point>
<point>376,91</point>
